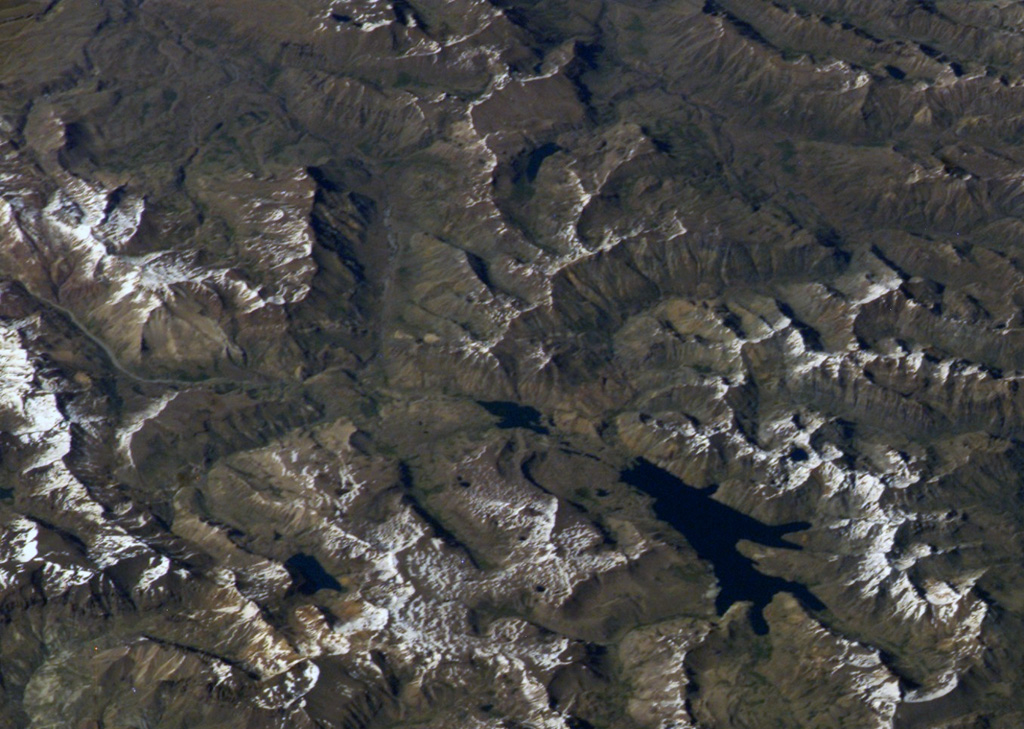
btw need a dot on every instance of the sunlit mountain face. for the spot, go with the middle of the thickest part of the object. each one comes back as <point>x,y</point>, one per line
<point>467,364</point>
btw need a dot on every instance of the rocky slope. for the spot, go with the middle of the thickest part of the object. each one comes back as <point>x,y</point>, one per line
<point>499,363</point>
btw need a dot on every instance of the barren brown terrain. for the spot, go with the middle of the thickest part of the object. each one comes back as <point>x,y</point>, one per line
<point>511,364</point>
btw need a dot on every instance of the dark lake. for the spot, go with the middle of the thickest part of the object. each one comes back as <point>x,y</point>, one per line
<point>713,530</point>
<point>514,415</point>
<point>309,575</point>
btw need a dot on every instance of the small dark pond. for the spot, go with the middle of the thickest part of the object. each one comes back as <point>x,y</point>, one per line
<point>513,415</point>
<point>713,530</point>
<point>537,158</point>
<point>309,574</point>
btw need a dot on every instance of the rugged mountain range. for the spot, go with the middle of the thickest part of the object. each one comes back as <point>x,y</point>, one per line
<point>562,364</point>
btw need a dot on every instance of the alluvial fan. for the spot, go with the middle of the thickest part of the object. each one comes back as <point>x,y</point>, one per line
<point>548,364</point>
